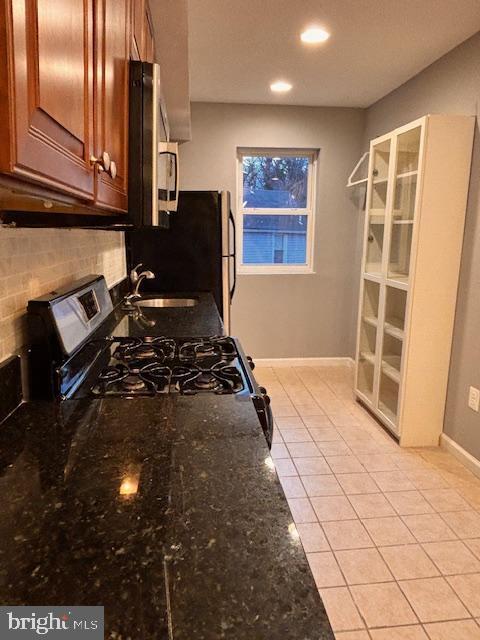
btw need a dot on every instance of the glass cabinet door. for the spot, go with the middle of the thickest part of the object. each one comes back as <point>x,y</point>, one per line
<point>368,338</point>
<point>380,167</point>
<point>403,210</point>
<point>377,207</point>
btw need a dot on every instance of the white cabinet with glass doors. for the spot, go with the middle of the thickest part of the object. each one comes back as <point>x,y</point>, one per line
<point>416,200</point>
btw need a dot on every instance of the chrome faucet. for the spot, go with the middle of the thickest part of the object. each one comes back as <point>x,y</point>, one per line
<point>136,280</point>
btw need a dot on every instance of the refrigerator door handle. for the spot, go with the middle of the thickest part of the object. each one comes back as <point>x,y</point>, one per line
<point>226,293</point>
<point>232,291</point>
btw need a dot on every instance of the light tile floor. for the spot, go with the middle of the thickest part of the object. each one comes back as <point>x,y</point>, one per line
<point>392,535</point>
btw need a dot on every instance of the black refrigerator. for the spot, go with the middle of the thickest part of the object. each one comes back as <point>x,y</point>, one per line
<point>197,253</point>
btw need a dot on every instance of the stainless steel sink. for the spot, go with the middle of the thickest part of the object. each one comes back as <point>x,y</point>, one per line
<point>166,302</point>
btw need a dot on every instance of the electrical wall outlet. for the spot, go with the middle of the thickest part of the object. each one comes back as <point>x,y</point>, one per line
<point>474,398</point>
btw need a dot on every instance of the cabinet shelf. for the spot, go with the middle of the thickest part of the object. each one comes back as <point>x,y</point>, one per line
<point>398,281</point>
<point>368,356</point>
<point>371,277</point>
<point>391,367</point>
<point>406,174</point>
<point>371,320</point>
<point>394,328</point>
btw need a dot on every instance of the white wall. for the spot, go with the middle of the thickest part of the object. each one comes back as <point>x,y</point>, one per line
<point>288,315</point>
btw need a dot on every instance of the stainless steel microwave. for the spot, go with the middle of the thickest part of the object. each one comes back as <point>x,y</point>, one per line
<point>153,159</point>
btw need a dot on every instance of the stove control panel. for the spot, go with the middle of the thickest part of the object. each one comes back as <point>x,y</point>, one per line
<point>74,312</point>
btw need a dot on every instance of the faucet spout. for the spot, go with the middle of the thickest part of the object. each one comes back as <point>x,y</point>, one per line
<point>137,279</point>
<point>145,275</point>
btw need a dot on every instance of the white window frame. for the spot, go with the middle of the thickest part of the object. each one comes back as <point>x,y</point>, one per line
<point>309,211</point>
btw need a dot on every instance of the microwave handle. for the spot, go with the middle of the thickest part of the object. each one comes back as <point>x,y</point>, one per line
<point>175,162</point>
<point>165,148</point>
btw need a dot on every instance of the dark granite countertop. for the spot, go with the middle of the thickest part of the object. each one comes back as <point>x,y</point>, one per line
<point>201,320</point>
<point>165,510</point>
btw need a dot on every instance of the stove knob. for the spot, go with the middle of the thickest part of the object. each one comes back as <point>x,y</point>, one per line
<point>251,363</point>
<point>263,391</point>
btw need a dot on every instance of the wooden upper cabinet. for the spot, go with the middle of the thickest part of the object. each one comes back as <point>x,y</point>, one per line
<point>112,43</point>
<point>142,32</point>
<point>138,13</point>
<point>148,41</point>
<point>46,93</point>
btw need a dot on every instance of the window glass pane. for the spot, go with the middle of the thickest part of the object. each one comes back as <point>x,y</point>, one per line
<point>275,183</point>
<point>274,239</point>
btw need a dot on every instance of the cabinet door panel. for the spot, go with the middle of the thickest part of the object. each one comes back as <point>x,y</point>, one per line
<point>148,46</point>
<point>138,13</point>
<point>112,97</point>
<point>51,93</point>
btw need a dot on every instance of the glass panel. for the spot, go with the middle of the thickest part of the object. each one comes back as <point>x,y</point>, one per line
<point>371,294</point>
<point>373,262</point>
<point>275,183</point>
<point>274,239</point>
<point>392,357</point>
<point>381,160</point>
<point>405,192</point>
<point>388,397</point>
<point>400,247</point>
<point>365,377</point>
<point>408,148</point>
<point>395,309</point>
<point>368,339</point>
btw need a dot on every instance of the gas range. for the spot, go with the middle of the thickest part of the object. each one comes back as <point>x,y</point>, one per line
<point>71,357</point>
<point>158,365</point>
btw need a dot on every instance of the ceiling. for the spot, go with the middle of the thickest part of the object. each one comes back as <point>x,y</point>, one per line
<point>238,47</point>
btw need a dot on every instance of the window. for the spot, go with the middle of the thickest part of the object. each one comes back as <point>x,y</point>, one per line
<point>276,195</point>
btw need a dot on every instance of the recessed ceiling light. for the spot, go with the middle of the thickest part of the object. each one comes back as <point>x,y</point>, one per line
<point>280,86</point>
<point>314,35</point>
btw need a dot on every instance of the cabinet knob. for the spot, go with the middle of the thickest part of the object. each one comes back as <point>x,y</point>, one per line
<point>113,169</point>
<point>103,163</point>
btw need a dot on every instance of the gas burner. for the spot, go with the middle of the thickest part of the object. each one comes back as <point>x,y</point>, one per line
<point>207,348</point>
<point>135,349</point>
<point>133,383</point>
<point>219,379</point>
<point>205,381</point>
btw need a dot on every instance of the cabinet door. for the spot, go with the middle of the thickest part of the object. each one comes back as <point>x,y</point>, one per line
<point>111,106</point>
<point>47,95</point>
<point>148,43</point>
<point>137,30</point>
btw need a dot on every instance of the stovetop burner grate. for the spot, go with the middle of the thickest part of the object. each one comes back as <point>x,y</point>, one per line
<point>148,366</point>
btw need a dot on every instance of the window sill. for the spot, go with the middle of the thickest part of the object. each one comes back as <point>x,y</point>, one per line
<point>268,270</point>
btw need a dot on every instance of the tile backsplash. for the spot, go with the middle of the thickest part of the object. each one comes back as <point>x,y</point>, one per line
<point>35,261</point>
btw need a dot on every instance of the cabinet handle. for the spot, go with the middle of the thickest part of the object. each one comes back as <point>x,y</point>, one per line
<point>113,170</point>
<point>103,163</point>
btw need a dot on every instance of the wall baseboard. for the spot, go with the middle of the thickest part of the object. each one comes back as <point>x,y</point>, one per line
<point>459,452</point>
<point>303,362</point>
